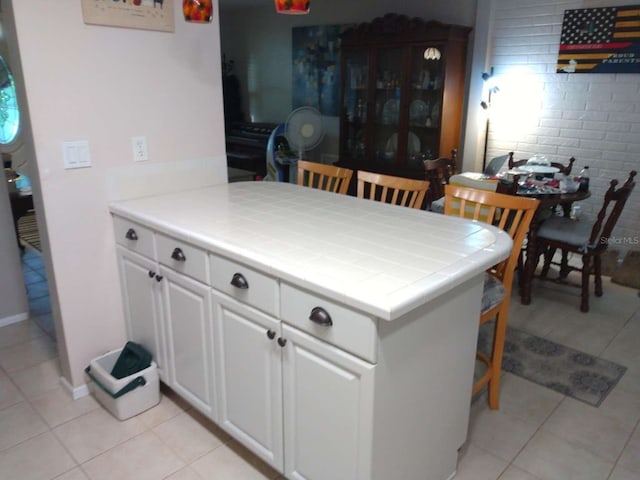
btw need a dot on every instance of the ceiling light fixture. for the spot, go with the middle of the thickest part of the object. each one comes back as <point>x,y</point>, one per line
<point>293,7</point>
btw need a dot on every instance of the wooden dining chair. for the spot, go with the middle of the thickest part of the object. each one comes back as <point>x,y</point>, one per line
<point>406,192</point>
<point>438,172</point>
<point>512,214</point>
<point>323,176</point>
<point>589,240</point>
<point>566,169</point>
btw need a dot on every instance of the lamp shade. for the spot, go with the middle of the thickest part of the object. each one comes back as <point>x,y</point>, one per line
<point>293,7</point>
<point>432,53</point>
<point>197,11</point>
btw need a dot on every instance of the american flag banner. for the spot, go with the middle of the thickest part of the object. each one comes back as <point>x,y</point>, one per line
<point>600,40</point>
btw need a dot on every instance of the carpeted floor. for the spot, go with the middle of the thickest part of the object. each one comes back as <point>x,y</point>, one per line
<point>571,372</point>
<point>28,231</point>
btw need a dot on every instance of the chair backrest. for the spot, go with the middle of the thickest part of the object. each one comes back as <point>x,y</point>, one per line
<point>323,176</point>
<point>405,192</point>
<point>437,172</point>
<point>604,224</point>
<point>510,213</point>
<point>566,169</point>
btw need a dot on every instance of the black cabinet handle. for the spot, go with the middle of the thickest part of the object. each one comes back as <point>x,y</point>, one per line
<point>159,278</point>
<point>320,316</point>
<point>152,274</point>
<point>178,255</point>
<point>239,281</point>
<point>131,234</point>
<point>282,341</point>
<point>271,334</point>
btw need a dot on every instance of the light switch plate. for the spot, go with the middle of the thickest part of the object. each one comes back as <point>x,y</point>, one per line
<point>76,154</point>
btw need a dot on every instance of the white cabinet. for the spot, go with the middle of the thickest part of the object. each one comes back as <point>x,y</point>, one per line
<point>142,303</point>
<point>309,380</point>
<point>293,399</point>
<point>249,377</point>
<point>328,410</point>
<point>187,307</point>
<point>168,308</point>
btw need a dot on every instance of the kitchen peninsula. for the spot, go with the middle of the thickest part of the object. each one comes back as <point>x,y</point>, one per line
<point>332,336</point>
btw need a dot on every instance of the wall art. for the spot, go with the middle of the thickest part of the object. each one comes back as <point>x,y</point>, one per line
<point>316,67</point>
<point>600,40</point>
<point>142,14</point>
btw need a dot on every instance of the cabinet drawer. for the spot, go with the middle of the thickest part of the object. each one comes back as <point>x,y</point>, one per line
<point>134,236</point>
<point>183,257</point>
<point>262,291</point>
<point>349,329</point>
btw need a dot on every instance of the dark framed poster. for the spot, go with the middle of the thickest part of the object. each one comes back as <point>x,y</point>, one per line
<point>600,40</point>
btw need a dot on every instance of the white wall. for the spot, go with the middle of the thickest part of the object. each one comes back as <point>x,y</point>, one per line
<point>594,117</point>
<point>259,41</point>
<point>13,296</point>
<point>105,85</point>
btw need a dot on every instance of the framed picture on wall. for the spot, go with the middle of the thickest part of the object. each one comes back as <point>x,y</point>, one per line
<point>142,14</point>
<point>316,67</point>
<point>600,40</point>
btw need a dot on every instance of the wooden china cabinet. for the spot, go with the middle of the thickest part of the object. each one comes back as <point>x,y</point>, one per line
<point>402,91</point>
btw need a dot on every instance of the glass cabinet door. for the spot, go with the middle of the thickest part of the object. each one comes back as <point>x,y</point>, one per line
<point>425,102</point>
<point>355,101</point>
<point>388,148</point>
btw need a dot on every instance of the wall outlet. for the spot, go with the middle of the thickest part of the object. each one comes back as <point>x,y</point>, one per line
<point>140,150</point>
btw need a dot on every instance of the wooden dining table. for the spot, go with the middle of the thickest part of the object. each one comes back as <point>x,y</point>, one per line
<point>548,204</point>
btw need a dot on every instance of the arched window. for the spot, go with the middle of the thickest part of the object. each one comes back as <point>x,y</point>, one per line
<point>9,111</point>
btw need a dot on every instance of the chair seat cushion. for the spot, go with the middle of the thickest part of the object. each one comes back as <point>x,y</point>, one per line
<point>562,229</point>
<point>438,205</point>
<point>493,292</point>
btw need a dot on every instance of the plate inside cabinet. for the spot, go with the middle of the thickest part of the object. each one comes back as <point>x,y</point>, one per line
<point>418,112</point>
<point>390,111</point>
<point>413,144</point>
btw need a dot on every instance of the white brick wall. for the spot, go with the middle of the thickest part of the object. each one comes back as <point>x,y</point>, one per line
<point>593,117</point>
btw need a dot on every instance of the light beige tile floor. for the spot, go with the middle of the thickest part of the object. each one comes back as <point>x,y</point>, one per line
<point>537,434</point>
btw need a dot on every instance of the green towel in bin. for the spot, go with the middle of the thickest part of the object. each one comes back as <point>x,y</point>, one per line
<point>133,359</point>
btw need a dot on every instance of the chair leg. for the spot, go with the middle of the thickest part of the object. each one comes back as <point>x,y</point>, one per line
<point>597,273</point>
<point>564,265</point>
<point>496,355</point>
<point>549,252</point>
<point>584,297</point>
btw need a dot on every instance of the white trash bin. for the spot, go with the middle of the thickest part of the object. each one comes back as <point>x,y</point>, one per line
<point>127,396</point>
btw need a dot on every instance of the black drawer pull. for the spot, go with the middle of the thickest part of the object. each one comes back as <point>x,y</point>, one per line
<point>159,278</point>
<point>131,234</point>
<point>320,316</point>
<point>239,281</point>
<point>282,341</point>
<point>178,255</point>
<point>152,274</point>
<point>271,334</point>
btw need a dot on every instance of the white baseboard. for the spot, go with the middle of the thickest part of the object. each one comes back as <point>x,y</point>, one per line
<point>13,319</point>
<point>75,392</point>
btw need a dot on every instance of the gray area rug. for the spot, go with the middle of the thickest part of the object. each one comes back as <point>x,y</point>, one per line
<point>571,372</point>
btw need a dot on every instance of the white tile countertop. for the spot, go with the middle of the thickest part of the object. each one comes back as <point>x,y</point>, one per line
<point>382,259</point>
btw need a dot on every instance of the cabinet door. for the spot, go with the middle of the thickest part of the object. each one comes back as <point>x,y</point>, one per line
<point>355,104</point>
<point>249,377</point>
<point>425,97</point>
<point>390,148</point>
<point>189,339</point>
<point>142,306</point>
<point>328,410</point>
